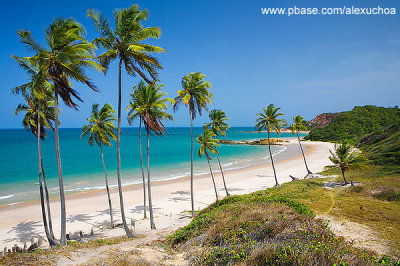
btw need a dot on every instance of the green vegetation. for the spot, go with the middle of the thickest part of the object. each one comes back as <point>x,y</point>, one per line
<point>355,124</point>
<point>383,146</point>
<point>277,226</point>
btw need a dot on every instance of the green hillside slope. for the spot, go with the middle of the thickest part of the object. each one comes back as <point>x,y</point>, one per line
<point>383,146</point>
<point>355,124</point>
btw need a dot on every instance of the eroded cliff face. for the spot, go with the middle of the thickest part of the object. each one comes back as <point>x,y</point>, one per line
<point>321,120</point>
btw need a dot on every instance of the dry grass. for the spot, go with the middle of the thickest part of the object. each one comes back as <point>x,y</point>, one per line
<point>50,256</point>
<point>253,230</point>
<point>360,204</point>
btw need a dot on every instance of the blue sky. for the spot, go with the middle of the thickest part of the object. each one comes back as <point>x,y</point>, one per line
<point>304,64</point>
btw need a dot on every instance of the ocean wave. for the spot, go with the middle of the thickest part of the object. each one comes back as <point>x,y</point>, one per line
<point>6,197</point>
<point>14,203</point>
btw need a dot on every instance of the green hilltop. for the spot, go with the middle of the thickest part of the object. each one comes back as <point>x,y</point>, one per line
<point>356,124</point>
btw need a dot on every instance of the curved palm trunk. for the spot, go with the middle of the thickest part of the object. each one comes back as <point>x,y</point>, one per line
<point>223,177</point>
<point>47,201</point>
<point>63,239</point>
<point>152,225</point>
<point>141,162</point>
<point>212,176</point>
<point>272,160</point>
<point>344,177</point>
<point>302,152</point>
<point>121,199</point>
<point>107,188</point>
<point>46,229</point>
<point>191,163</point>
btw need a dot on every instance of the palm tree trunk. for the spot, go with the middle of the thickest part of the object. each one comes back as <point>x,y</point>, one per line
<point>46,229</point>
<point>141,162</point>
<point>223,177</point>
<point>107,188</point>
<point>272,160</point>
<point>191,163</point>
<point>304,157</point>
<point>63,239</point>
<point>47,200</point>
<point>344,177</point>
<point>212,176</point>
<point>152,225</point>
<point>121,199</point>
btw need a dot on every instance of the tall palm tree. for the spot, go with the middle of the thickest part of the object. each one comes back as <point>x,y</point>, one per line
<point>137,100</point>
<point>101,130</point>
<point>297,126</point>
<point>151,109</point>
<point>126,44</point>
<point>39,115</point>
<point>219,126</point>
<point>208,143</point>
<point>195,95</point>
<point>345,157</point>
<point>64,60</point>
<point>269,120</point>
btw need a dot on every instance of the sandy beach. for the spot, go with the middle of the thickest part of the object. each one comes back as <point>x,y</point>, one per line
<point>171,199</point>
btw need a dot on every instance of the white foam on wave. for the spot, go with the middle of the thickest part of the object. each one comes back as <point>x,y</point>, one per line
<point>6,197</point>
<point>14,203</point>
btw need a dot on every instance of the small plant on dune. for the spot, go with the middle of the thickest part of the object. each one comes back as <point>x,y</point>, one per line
<point>345,157</point>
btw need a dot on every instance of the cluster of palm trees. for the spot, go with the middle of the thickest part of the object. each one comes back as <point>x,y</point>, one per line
<point>55,67</point>
<point>53,70</point>
<point>269,120</point>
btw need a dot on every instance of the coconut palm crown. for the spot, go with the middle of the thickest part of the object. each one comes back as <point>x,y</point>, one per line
<point>194,93</point>
<point>269,120</point>
<point>125,42</point>
<point>208,143</point>
<point>101,128</point>
<point>218,122</point>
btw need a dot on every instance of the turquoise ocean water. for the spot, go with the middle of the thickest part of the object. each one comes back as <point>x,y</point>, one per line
<point>82,166</point>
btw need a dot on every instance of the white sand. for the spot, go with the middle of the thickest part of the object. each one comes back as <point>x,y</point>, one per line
<point>171,199</point>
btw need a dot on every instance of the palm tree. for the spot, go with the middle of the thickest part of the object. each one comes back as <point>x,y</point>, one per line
<point>219,127</point>
<point>297,126</point>
<point>345,157</point>
<point>125,43</point>
<point>208,143</point>
<point>269,120</point>
<point>39,115</point>
<point>101,129</point>
<point>65,59</point>
<point>151,109</point>
<point>137,100</point>
<point>195,95</point>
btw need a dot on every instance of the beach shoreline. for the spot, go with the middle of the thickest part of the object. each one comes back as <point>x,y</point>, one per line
<point>171,198</point>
